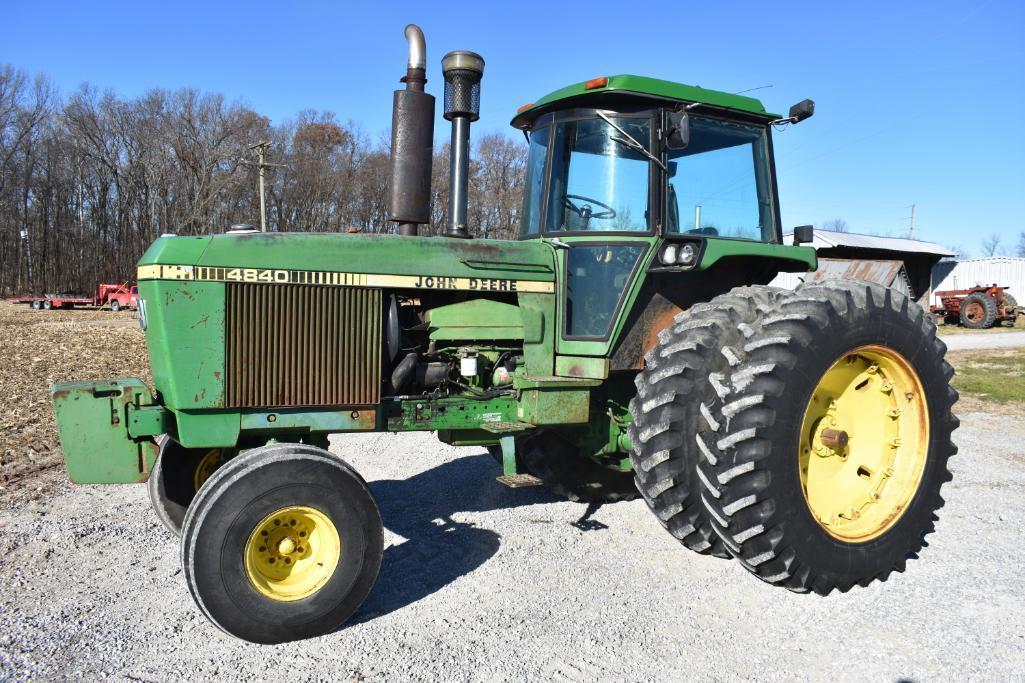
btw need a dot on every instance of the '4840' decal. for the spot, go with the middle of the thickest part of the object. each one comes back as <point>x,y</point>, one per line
<point>338,279</point>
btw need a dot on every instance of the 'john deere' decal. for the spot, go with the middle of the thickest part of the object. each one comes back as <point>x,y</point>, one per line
<point>336,279</point>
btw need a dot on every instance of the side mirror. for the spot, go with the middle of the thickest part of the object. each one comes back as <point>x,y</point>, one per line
<point>672,167</point>
<point>802,110</point>
<point>679,130</point>
<point>804,234</point>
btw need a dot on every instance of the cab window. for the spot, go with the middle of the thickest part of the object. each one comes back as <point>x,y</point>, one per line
<point>720,184</point>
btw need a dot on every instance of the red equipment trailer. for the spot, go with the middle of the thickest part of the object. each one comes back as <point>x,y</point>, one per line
<point>977,308</point>
<point>113,296</point>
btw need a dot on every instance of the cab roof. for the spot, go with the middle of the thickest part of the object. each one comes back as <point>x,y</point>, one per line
<point>626,86</point>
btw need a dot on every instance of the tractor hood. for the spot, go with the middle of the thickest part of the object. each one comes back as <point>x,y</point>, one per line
<point>353,259</point>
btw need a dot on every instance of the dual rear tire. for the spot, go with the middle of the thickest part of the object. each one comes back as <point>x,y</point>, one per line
<point>824,445</point>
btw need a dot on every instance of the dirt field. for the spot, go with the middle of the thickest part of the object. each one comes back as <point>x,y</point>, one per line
<point>481,582</point>
<point>38,348</point>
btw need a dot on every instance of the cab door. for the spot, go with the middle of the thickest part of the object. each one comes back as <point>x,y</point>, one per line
<point>599,280</point>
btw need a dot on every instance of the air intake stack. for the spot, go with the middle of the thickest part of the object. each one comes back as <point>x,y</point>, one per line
<point>412,142</point>
<point>463,71</point>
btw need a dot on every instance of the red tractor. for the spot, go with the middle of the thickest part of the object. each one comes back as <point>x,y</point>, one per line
<point>977,308</point>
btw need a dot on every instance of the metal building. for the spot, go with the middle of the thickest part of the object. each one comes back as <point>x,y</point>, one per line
<point>895,262</point>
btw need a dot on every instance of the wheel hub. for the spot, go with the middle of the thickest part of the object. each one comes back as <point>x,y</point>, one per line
<point>210,461</point>
<point>867,423</point>
<point>292,553</point>
<point>974,312</point>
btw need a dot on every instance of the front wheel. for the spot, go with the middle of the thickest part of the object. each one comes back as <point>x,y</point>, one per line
<point>835,439</point>
<point>283,543</point>
<point>115,305</point>
<point>177,476</point>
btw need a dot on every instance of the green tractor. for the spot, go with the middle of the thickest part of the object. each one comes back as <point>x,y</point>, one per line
<point>626,344</point>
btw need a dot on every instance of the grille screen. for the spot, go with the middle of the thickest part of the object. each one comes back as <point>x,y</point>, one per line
<point>302,345</point>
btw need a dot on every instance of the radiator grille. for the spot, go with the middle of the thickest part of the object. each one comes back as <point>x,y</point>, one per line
<point>302,345</point>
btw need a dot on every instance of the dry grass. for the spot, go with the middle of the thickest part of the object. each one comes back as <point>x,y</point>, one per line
<point>948,330</point>
<point>38,348</point>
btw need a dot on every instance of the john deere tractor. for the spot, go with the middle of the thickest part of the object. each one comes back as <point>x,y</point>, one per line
<point>626,344</point>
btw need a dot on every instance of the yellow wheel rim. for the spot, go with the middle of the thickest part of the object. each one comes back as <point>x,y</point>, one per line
<point>864,442</point>
<point>292,553</point>
<point>210,461</point>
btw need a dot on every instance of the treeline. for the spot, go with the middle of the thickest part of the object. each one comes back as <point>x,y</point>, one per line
<point>89,180</point>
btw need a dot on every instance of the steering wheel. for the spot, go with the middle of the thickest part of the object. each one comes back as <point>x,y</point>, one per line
<point>584,210</point>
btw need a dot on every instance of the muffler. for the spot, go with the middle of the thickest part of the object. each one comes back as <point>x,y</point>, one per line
<point>412,142</point>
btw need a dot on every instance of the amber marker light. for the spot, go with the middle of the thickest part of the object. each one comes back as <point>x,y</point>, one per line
<point>596,83</point>
<point>524,108</point>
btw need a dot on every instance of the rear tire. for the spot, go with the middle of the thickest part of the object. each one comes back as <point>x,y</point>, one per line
<point>176,477</point>
<point>47,305</point>
<point>978,311</point>
<point>297,580</point>
<point>812,517</point>
<point>569,474</point>
<point>676,411</point>
<point>36,305</point>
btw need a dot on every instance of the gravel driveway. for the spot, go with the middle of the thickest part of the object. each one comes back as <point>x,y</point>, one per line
<point>984,340</point>
<point>485,583</point>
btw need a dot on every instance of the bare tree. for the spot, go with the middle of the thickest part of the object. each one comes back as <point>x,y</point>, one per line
<point>991,245</point>
<point>836,225</point>
<point>93,180</point>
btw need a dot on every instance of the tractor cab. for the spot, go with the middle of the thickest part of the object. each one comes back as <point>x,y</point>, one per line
<point>626,173</point>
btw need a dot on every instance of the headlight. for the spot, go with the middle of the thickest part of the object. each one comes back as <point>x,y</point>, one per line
<point>142,314</point>
<point>686,255</point>
<point>669,255</point>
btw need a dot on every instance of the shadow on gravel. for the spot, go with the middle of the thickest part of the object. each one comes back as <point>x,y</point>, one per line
<point>439,550</point>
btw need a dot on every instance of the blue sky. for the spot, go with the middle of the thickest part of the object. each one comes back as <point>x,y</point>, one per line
<point>911,97</point>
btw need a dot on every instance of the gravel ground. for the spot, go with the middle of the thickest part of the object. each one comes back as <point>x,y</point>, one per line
<point>964,342</point>
<point>484,583</point>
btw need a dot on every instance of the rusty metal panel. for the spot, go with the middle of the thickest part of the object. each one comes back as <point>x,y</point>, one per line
<point>302,345</point>
<point>889,273</point>
<point>870,270</point>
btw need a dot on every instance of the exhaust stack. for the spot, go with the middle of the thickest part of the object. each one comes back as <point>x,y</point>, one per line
<point>463,71</point>
<point>412,141</point>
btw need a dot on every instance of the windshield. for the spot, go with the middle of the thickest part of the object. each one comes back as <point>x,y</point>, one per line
<point>720,184</point>
<point>597,183</point>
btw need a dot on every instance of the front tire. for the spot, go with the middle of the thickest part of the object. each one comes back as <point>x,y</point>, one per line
<point>177,476</point>
<point>835,441</point>
<point>282,543</point>
<point>115,305</point>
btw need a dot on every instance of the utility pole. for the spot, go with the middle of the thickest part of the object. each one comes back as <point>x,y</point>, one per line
<point>28,254</point>
<point>261,151</point>
<point>911,233</point>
